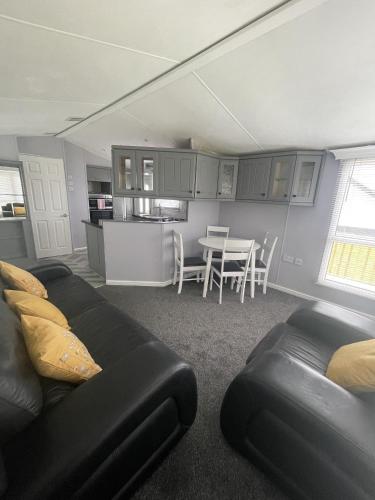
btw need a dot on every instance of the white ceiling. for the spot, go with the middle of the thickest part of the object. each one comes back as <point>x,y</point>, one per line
<point>307,80</point>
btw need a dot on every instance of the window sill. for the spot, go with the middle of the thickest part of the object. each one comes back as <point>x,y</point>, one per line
<point>11,219</point>
<point>347,288</point>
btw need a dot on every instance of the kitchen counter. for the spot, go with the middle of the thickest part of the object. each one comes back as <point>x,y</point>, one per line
<point>133,220</point>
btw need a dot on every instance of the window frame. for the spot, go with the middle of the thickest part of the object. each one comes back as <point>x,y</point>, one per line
<point>343,183</point>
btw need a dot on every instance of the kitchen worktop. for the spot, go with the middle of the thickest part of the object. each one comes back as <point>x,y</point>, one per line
<point>135,220</point>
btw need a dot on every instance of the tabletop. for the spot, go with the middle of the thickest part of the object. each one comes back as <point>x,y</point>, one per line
<point>217,242</point>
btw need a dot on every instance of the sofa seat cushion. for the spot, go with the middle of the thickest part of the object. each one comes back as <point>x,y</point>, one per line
<point>72,295</point>
<point>288,340</point>
<point>109,334</point>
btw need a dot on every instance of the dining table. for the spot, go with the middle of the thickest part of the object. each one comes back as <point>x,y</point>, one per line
<point>216,244</point>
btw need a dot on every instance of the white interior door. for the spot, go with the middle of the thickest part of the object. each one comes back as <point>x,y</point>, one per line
<point>48,205</point>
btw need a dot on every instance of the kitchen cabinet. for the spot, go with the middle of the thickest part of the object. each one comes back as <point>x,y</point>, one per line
<point>124,172</point>
<point>305,180</point>
<point>177,174</point>
<point>206,177</point>
<point>95,248</point>
<point>227,179</point>
<point>281,178</point>
<point>134,172</point>
<point>147,172</point>
<point>99,174</point>
<point>253,178</point>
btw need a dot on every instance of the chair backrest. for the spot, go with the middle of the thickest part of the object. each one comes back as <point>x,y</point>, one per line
<point>217,231</point>
<point>238,250</point>
<point>268,249</point>
<point>178,248</point>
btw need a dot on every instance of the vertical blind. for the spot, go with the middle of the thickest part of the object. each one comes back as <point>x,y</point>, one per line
<point>349,257</point>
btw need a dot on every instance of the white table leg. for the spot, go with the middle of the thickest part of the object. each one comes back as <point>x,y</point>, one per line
<point>208,270</point>
<point>252,274</point>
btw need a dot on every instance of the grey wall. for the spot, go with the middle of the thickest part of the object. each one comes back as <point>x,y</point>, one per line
<point>8,147</point>
<point>76,160</point>
<point>304,230</point>
<point>50,147</point>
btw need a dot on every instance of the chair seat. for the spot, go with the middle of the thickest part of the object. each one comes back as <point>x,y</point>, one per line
<point>258,264</point>
<point>194,262</point>
<point>217,255</point>
<point>229,267</point>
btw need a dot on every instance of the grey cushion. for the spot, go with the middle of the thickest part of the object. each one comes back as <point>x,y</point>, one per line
<point>229,267</point>
<point>194,261</point>
<point>20,390</point>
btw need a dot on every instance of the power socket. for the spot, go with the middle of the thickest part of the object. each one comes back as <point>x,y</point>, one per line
<point>288,258</point>
<point>298,261</point>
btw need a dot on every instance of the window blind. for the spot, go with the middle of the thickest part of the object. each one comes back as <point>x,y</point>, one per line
<point>10,181</point>
<point>349,257</point>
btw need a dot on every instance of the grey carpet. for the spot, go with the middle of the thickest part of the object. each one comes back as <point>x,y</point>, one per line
<point>216,340</point>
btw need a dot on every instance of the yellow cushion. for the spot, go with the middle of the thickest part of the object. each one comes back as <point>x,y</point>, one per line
<point>26,303</point>
<point>22,280</point>
<point>55,352</point>
<point>353,366</point>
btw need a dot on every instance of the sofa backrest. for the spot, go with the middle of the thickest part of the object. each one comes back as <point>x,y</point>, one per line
<point>20,389</point>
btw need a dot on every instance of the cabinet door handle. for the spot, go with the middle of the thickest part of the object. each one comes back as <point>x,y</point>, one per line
<point>139,189</point>
<point>294,195</point>
<point>198,192</point>
<point>219,192</point>
<point>132,189</point>
<point>285,195</point>
<point>191,191</point>
<point>263,194</point>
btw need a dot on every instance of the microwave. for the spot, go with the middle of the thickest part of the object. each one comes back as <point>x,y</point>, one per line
<point>100,202</point>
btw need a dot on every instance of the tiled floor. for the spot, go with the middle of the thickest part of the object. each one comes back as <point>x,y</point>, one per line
<point>79,264</point>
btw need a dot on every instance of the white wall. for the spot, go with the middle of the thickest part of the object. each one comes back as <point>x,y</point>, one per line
<point>304,230</point>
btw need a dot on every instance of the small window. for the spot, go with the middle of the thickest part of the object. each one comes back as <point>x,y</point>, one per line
<point>12,202</point>
<point>349,258</point>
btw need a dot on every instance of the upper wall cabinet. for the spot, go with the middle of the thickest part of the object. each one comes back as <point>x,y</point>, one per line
<point>227,179</point>
<point>253,178</point>
<point>99,174</point>
<point>177,174</point>
<point>305,181</point>
<point>206,177</point>
<point>281,180</point>
<point>135,172</point>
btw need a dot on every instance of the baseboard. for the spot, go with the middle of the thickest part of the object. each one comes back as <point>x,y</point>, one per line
<point>79,248</point>
<point>305,296</point>
<point>138,283</point>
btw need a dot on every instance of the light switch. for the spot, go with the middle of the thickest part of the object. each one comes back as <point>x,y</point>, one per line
<point>288,258</point>
<point>298,261</point>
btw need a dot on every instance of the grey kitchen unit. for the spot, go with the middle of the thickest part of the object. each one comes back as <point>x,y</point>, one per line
<point>177,174</point>
<point>135,172</point>
<point>281,177</point>
<point>99,174</point>
<point>289,177</point>
<point>95,247</point>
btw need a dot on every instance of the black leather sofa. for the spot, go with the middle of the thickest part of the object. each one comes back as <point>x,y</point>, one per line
<point>281,412</point>
<point>101,438</point>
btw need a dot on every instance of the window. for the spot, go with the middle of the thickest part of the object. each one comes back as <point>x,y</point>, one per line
<point>12,203</point>
<point>349,258</point>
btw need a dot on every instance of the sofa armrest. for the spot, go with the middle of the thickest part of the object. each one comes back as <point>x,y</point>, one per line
<point>336,325</point>
<point>67,444</point>
<point>49,270</point>
<point>278,390</point>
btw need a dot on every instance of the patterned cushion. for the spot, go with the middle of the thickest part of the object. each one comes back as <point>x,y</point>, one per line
<point>22,280</point>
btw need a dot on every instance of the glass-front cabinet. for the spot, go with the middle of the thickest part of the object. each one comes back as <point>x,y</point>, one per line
<point>281,180</point>
<point>134,172</point>
<point>227,180</point>
<point>305,179</point>
<point>147,168</point>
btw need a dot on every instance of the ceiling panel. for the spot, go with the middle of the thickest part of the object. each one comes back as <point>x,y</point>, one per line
<point>118,128</point>
<point>186,109</point>
<point>167,28</point>
<point>38,117</point>
<point>47,65</point>
<point>309,83</point>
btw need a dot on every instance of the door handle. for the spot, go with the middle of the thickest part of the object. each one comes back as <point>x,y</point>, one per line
<point>64,215</point>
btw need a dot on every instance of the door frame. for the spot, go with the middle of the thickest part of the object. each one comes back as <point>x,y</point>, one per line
<point>27,156</point>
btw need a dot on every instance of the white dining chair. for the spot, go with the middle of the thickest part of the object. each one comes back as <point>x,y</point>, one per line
<point>263,264</point>
<point>195,266</point>
<point>229,267</point>
<point>222,231</point>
